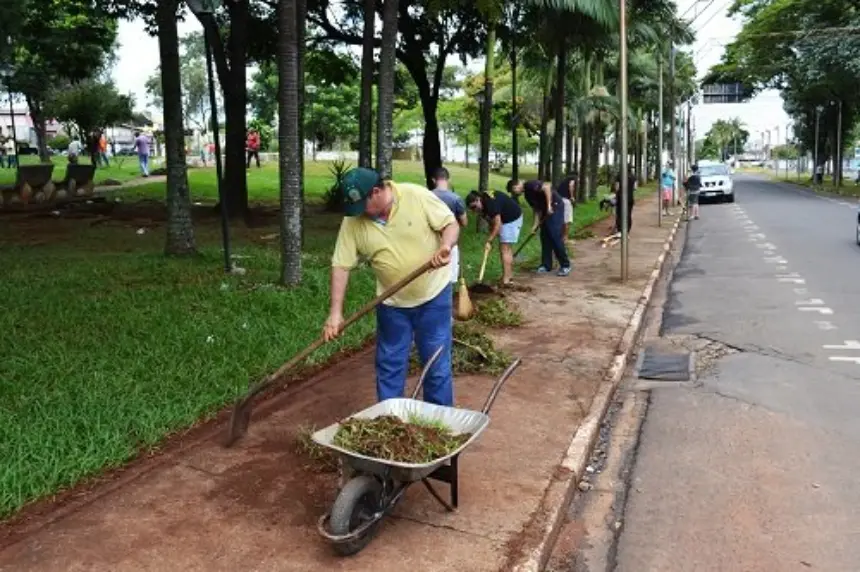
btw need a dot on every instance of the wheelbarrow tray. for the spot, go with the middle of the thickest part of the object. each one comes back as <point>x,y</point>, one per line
<point>458,420</point>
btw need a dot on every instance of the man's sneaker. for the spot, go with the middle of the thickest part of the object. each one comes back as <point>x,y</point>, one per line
<point>543,270</point>
<point>564,271</point>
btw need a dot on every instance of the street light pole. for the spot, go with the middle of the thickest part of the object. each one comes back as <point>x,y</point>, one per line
<point>622,10</point>
<point>206,9</point>
<point>8,75</point>
<point>837,172</point>
<point>815,156</point>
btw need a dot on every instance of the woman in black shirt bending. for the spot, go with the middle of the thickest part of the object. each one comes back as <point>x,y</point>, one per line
<point>549,214</point>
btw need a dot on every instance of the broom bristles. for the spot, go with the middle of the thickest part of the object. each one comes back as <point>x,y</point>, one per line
<point>464,303</point>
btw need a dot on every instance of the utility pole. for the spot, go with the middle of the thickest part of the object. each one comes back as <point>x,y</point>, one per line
<point>625,204</point>
<point>837,172</point>
<point>815,156</point>
<point>660,141</point>
<point>673,121</point>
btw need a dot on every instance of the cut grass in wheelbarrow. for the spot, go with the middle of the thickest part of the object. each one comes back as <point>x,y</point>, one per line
<point>390,438</point>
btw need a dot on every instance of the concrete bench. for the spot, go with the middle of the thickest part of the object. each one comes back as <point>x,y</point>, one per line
<point>78,182</point>
<point>32,184</point>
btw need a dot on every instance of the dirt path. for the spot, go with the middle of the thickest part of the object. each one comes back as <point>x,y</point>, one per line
<point>255,506</point>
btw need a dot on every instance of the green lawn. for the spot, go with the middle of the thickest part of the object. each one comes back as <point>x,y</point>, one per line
<point>109,346</point>
<point>121,169</point>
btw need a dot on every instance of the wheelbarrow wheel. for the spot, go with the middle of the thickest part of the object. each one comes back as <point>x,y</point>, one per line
<point>358,502</point>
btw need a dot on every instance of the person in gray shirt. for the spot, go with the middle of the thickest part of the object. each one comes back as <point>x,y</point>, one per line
<point>442,182</point>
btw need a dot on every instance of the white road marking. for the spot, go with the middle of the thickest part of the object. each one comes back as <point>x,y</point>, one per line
<point>848,345</point>
<point>767,245</point>
<point>810,302</point>
<point>856,360</point>
<point>793,280</point>
<point>801,291</point>
<point>824,325</point>
<point>820,309</point>
<point>775,260</point>
<point>759,235</point>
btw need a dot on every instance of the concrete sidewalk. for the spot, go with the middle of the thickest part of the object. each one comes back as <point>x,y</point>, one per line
<point>255,506</point>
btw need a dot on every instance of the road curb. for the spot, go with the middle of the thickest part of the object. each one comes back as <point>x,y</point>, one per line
<point>559,493</point>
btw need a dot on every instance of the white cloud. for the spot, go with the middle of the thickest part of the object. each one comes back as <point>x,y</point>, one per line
<point>137,58</point>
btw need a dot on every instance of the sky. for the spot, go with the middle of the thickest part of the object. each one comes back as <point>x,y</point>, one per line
<point>713,30</point>
<point>137,60</point>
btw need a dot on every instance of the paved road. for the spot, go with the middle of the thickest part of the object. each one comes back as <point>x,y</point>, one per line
<point>756,467</point>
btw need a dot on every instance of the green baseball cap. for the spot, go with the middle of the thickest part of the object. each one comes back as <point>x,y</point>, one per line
<point>356,186</point>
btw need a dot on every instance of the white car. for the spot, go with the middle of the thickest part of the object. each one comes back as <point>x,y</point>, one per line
<point>716,182</point>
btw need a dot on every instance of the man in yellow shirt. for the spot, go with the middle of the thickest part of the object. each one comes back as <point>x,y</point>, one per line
<point>397,228</point>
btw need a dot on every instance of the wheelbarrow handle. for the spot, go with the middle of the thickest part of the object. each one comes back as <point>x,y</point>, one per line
<point>498,385</point>
<point>424,371</point>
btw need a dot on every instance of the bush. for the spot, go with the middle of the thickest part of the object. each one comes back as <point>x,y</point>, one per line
<point>333,197</point>
<point>59,142</point>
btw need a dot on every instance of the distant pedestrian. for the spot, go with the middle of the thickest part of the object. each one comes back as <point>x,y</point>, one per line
<point>505,218</point>
<point>253,146</point>
<point>693,185</point>
<point>549,216</point>
<point>567,190</point>
<point>11,152</point>
<point>73,151</point>
<point>441,178</point>
<point>103,150</point>
<point>2,150</point>
<point>142,146</point>
<point>667,182</point>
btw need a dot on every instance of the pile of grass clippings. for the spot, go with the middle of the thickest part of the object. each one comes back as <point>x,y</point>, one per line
<point>320,459</point>
<point>498,313</point>
<point>476,353</point>
<point>390,438</point>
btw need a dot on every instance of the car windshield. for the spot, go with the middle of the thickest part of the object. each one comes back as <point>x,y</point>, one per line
<point>713,170</point>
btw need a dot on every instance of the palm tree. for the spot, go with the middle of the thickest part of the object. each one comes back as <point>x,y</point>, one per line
<point>385,107</point>
<point>180,229</point>
<point>289,144</point>
<point>365,112</point>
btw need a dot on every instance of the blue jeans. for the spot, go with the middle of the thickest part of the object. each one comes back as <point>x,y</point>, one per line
<point>430,325</point>
<point>551,240</point>
<point>144,164</point>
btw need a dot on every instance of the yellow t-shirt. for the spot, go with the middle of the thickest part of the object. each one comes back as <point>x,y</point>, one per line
<point>408,239</point>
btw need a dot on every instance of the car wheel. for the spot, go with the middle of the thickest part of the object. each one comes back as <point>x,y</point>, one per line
<point>858,232</point>
<point>730,198</point>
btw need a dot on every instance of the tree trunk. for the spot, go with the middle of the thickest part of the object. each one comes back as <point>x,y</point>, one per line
<point>38,119</point>
<point>544,121</point>
<point>515,144</point>
<point>643,162</point>
<point>230,60</point>
<point>487,110</point>
<point>594,160</point>
<point>290,147</point>
<point>576,134</point>
<point>180,228</point>
<point>583,183</point>
<point>301,14</point>
<point>385,111</point>
<point>568,148</point>
<point>365,112</point>
<point>558,132</point>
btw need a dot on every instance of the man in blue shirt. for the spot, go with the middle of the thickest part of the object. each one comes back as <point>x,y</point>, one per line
<point>441,178</point>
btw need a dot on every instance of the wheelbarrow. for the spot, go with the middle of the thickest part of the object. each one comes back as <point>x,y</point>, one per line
<point>377,485</point>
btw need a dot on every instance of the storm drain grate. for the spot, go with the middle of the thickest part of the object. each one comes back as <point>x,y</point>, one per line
<point>664,366</point>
